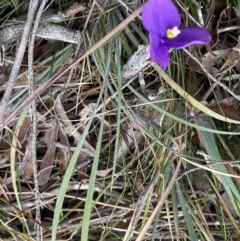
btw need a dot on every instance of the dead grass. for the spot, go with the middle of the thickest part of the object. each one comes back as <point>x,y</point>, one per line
<point>112,165</point>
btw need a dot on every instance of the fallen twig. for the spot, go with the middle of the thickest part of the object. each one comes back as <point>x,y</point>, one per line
<point>19,57</point>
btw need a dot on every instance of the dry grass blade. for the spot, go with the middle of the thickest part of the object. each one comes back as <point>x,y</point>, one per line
<point>123,150</point>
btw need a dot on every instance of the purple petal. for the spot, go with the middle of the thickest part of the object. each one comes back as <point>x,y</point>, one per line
<point>158,51</point>
<point>188,36</point>
<point>160,15</point>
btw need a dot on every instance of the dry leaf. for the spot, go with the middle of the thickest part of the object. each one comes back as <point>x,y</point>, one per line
<point>69,128</point>
<point>193,64</point>
<point>86,111</point>
<point>219,8</point>
<point>226,110</point>
<point>45,126</point>
<point>26,164</point>
<point>216,57</point>
<point>209,60</point>
<point>23,129</point>
<point>47,161</point>
<point>64,154</point>
<point>4,145</point>
<point>104,173</point>
<point>233,57</point>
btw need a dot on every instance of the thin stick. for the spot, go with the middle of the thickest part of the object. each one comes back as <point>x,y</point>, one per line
<point>34,120</point>
<point>19,57</point>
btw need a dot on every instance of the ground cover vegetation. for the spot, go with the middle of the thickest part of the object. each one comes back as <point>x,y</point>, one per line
<point>101,142</point>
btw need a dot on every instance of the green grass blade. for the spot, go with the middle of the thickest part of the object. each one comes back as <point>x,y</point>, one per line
<point>187,217</point>
<point>89,198</point>
<point>209,142</point>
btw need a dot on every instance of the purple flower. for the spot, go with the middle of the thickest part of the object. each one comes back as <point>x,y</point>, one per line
<point>162,20</point>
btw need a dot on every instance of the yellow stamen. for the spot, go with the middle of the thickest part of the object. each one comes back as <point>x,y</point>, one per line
<point>169,34</point>
<point>172,33</point>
